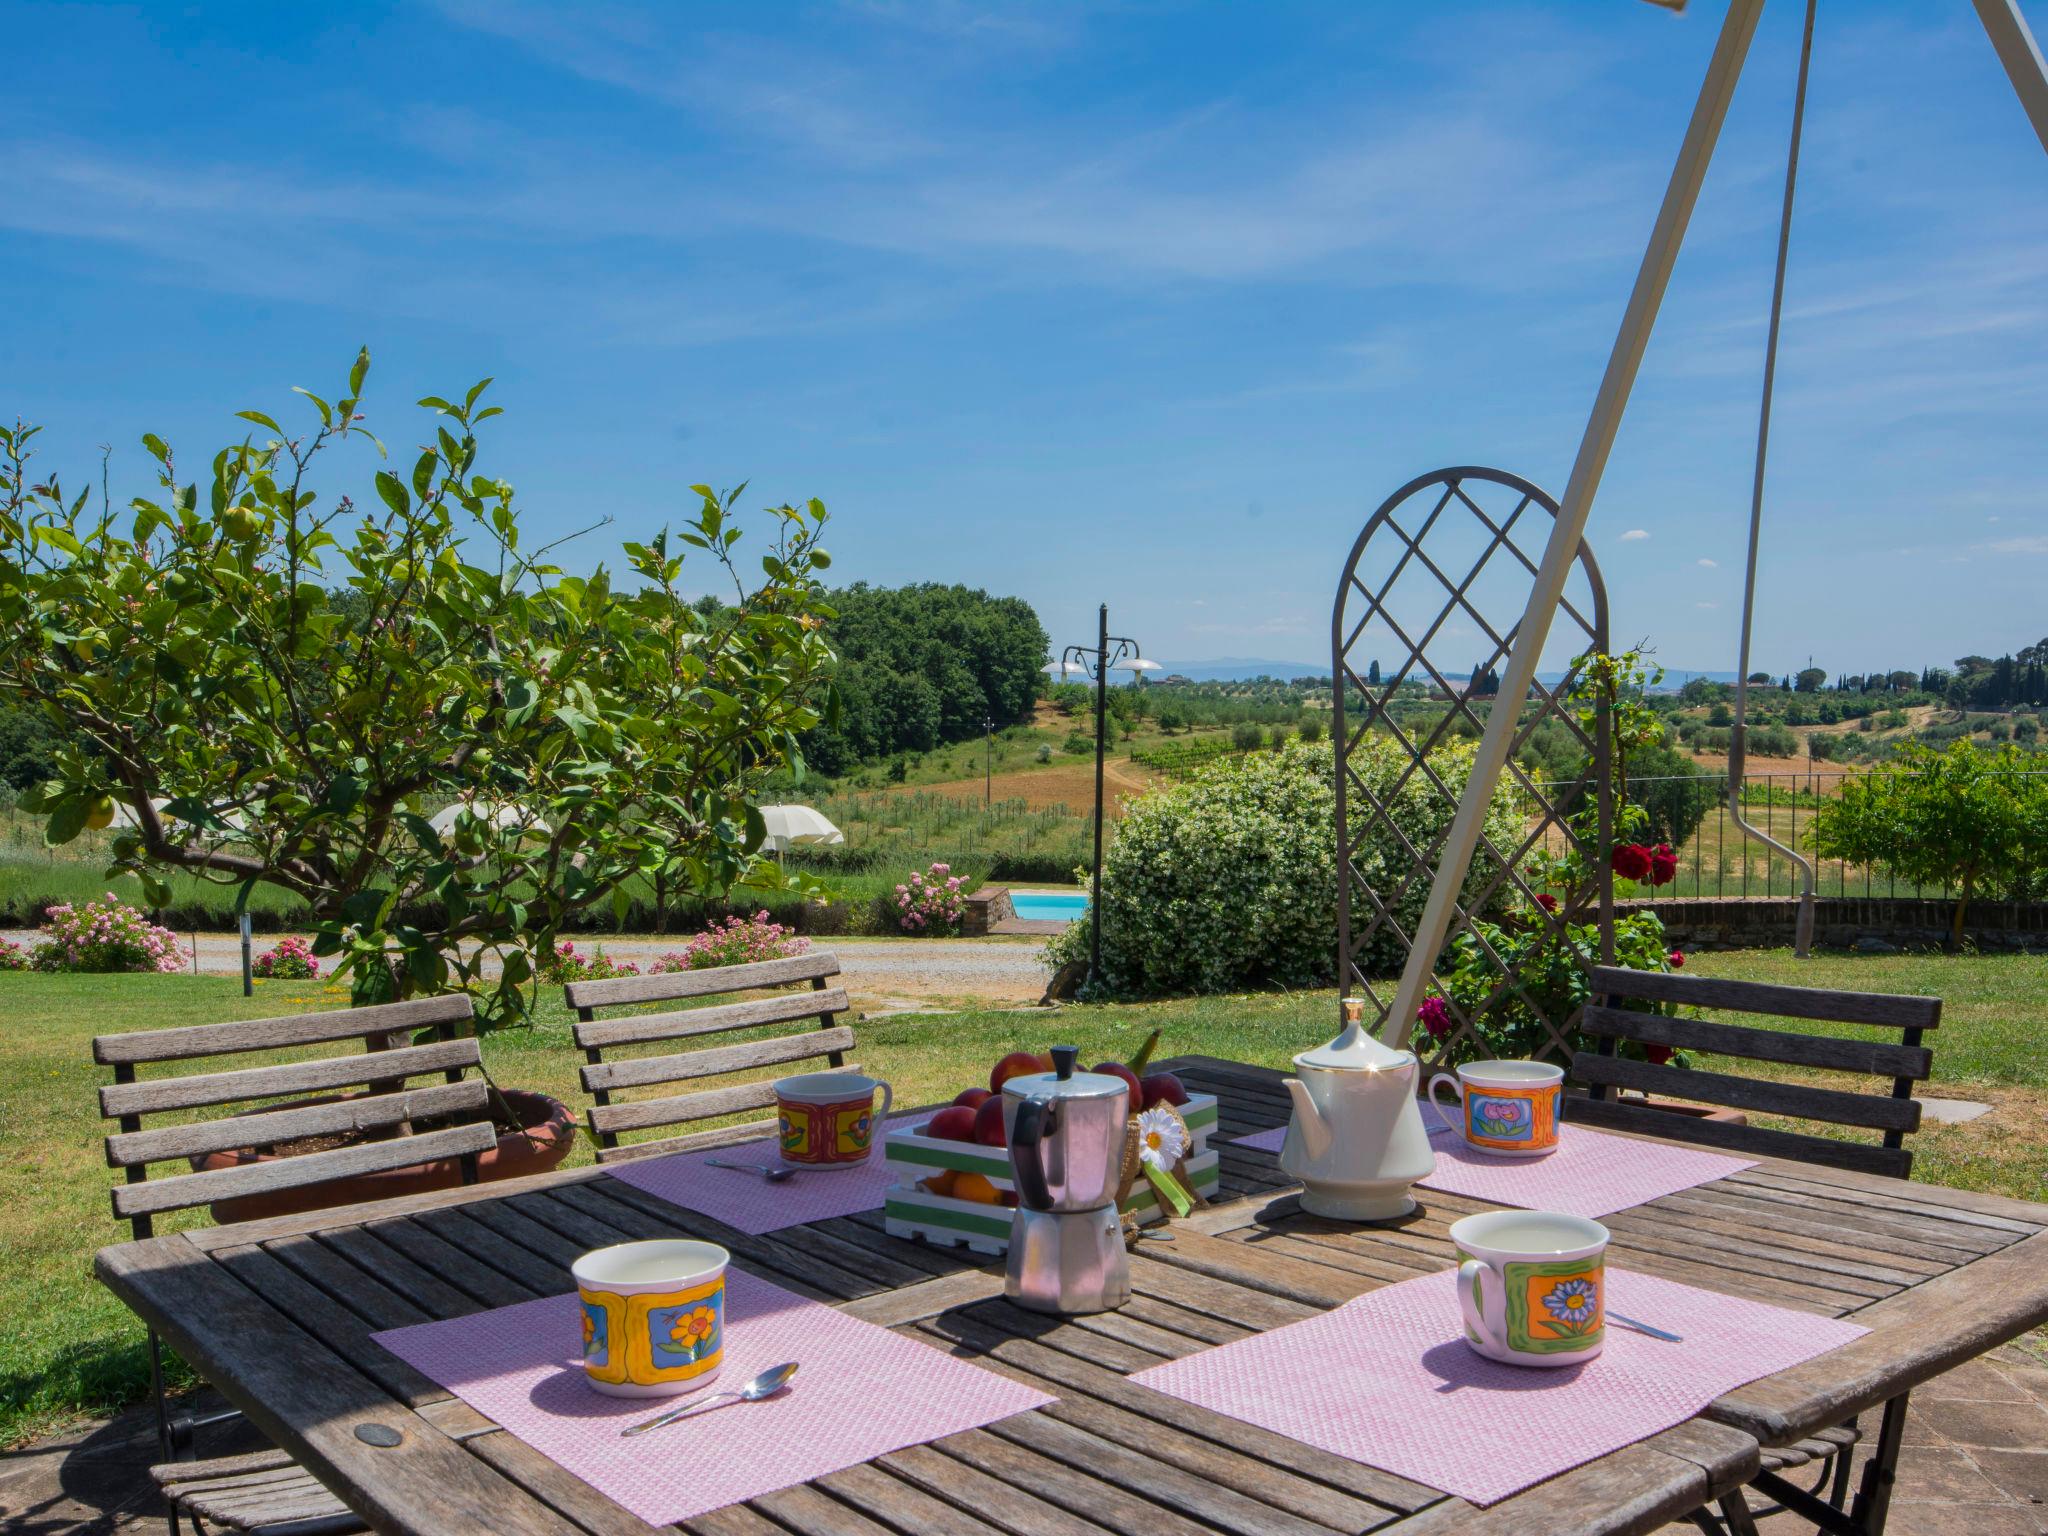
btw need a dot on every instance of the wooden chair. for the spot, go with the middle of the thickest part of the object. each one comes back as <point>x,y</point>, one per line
<point>603,1079</point>
<point>1892,1113</point>
<point>265,1492</point>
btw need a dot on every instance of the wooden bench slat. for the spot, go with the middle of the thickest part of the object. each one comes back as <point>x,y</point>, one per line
<point>1875,1111</point>
<point>678,1107</point>
<point>783,1007</point>
<point>274,1034</point>
<point>645,1070</point>
<point>672,985</point>
<point>272,1127</point>
<point>118,1099</point>
<point>1617,1115</point>
<point>1821,1051</point>
<point>294,1172</point>
<point>694,1141</point>
<point>1898,1010</point>
<point>674,1109</point>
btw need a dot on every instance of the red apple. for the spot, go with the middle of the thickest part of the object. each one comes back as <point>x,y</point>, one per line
<point>988,1123</point>
<point>953,1123</point>
<point>1163,1088</point>
<point>971,1098</point>
<point>1007,1197</point>
<point>1118,1069</point>
<point>1016,1064</point>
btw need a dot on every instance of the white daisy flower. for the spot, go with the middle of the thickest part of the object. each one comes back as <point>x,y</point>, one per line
<point>1162,1137</point>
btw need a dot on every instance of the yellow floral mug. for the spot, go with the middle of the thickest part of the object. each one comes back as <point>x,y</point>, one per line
<point>653,1316</point>
<point>1509,1108</point>
<point>828,1119</point>
<point>1532,1286</point>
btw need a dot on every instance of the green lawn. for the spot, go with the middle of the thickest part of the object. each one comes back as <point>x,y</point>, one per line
<point>71,1350</point>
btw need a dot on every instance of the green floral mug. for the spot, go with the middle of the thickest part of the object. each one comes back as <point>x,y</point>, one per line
<point>1532,1286</point>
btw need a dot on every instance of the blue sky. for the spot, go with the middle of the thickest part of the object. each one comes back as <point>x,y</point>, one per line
<point>1142,302</point>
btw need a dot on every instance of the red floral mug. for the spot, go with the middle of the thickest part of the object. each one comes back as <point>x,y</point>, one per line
<point>828,1119</point>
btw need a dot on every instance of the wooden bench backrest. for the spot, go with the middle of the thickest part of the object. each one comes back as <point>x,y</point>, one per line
<point>1894,1112</point>
<point>603,1079</point>
<point>388,1107</point>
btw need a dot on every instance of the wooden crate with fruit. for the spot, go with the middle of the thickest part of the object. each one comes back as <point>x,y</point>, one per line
<point>950,1177</point>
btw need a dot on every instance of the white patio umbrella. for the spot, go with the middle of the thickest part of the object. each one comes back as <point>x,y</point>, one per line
<point>793,826</point>
<point>503,816</point>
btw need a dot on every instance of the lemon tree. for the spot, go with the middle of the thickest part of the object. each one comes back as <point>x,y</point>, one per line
<point>445,742</point>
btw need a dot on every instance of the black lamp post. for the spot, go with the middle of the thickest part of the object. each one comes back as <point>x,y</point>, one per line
<point>1095,661</point>
<point>988,771</point>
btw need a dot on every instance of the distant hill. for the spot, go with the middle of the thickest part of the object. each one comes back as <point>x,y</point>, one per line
<point>1237,669</point>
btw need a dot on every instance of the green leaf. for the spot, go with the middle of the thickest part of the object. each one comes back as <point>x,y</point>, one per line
<point>355,374</point>
<point>393,493</point>
<point>326,410</point>
<point>261,420</point>
<point>158,448</point>
<point>67,821</point>
<point>474,390</point>
<point>423,475</point>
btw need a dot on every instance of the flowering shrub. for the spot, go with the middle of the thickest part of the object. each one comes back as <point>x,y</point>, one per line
<point>290,959</point>
<point>12,956</point>
<point>930,902</point>
<point>1552,985</point>
<point>1227,879</point>
<point>736,941</point>
<point>1646,866</point>
<point>565,964</point>
<point>106,935</point>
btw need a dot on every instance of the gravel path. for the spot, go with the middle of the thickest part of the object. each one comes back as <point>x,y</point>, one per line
<point>879,973</point>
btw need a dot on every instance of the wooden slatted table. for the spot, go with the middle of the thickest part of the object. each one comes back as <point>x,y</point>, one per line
<point>277,1314</point>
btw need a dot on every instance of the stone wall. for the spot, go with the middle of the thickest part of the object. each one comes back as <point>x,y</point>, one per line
<point>982,910</point>
<point>1844,922</point>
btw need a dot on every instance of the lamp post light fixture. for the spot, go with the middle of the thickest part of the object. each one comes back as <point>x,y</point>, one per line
<point>1110,652</point>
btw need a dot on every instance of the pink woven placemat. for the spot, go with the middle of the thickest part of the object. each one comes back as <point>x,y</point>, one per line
<point>1588,1175</point>
<point>1388,1380</point>
<point>862,1392</point>
<point>748,1202</point>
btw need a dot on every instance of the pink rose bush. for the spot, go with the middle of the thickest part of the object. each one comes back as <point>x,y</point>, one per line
<point>12,956</point>
<point>567,963</point>
<point>736,941</point>
<point>291,958</point>
<point>104,936</point>
<point>930,902</point>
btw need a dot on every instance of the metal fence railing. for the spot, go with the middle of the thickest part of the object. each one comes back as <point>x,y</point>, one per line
<point>1691,812</point>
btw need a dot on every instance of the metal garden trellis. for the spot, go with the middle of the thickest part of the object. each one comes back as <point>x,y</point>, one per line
<point>1459,496</point>
<point>2024,67</point>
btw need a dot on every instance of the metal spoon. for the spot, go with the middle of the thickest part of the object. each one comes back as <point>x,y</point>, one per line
<point>767,1384</point>
<point>1655,1333</point>
<point>774,1175</point>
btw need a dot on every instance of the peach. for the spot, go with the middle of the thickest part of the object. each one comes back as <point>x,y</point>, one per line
<point>970,1098</point>
<point>1016,1064</point>
<point>1164,1088</point>
<point>1118,1069</point>
<point>953,1123</point>
<point>988,1123</point>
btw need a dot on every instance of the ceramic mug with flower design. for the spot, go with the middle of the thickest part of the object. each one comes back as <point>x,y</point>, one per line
<point>653,1316</point>
<point>1532,1286</point>
<point>828,1119</point>
<point>1510,1108</point>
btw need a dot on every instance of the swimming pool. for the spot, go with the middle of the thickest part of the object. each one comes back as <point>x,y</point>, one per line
<point>1050,906</point>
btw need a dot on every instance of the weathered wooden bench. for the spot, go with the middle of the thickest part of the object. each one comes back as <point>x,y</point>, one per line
<point>1891,1112</point>
<point>265,1492</point>
<point>604,1079</point>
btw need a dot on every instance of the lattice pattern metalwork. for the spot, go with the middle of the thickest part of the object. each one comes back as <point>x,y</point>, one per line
<point>1420,605</point>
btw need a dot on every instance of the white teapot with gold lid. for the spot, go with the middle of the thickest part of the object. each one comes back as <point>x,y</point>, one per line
<point>1356,1141</point>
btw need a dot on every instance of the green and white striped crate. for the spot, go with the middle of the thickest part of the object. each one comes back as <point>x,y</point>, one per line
<point>912,1211</point>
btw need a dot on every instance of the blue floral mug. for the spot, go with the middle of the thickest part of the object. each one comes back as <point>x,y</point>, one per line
<point>653,1316</point>
<point>1532,1286</point>
<point>1506,1108</point>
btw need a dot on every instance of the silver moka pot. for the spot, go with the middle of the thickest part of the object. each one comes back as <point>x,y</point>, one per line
<point>1066,1134</point>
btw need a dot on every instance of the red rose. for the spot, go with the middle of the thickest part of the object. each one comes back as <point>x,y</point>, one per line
<point>1435,1016</point>
<point>1676,959</point>
<point>1663,865</point>
<point>1546,901</point>
<point>1658,1054</point>
<point>1631,861</point>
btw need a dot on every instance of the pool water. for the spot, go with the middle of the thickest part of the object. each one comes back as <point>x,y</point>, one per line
<point>1050,906</point>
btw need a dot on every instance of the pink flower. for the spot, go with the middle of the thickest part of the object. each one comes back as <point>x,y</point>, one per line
<point>1676,959</point>
<point>1434,1015</point>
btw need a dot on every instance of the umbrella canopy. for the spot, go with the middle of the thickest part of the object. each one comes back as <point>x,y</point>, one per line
<point>791,826</point>
<point>505,816</point>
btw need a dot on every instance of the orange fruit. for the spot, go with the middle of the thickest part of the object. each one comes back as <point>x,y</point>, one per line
<point>942,1182</point>
<point>975,1187</point>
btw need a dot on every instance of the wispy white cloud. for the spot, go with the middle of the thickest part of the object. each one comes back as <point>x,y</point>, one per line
<point>1635,536</point>
<point>1709,564</point>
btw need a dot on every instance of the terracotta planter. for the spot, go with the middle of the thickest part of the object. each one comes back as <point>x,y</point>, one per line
<point>1697,1111</point>
<point>547,1136</point>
